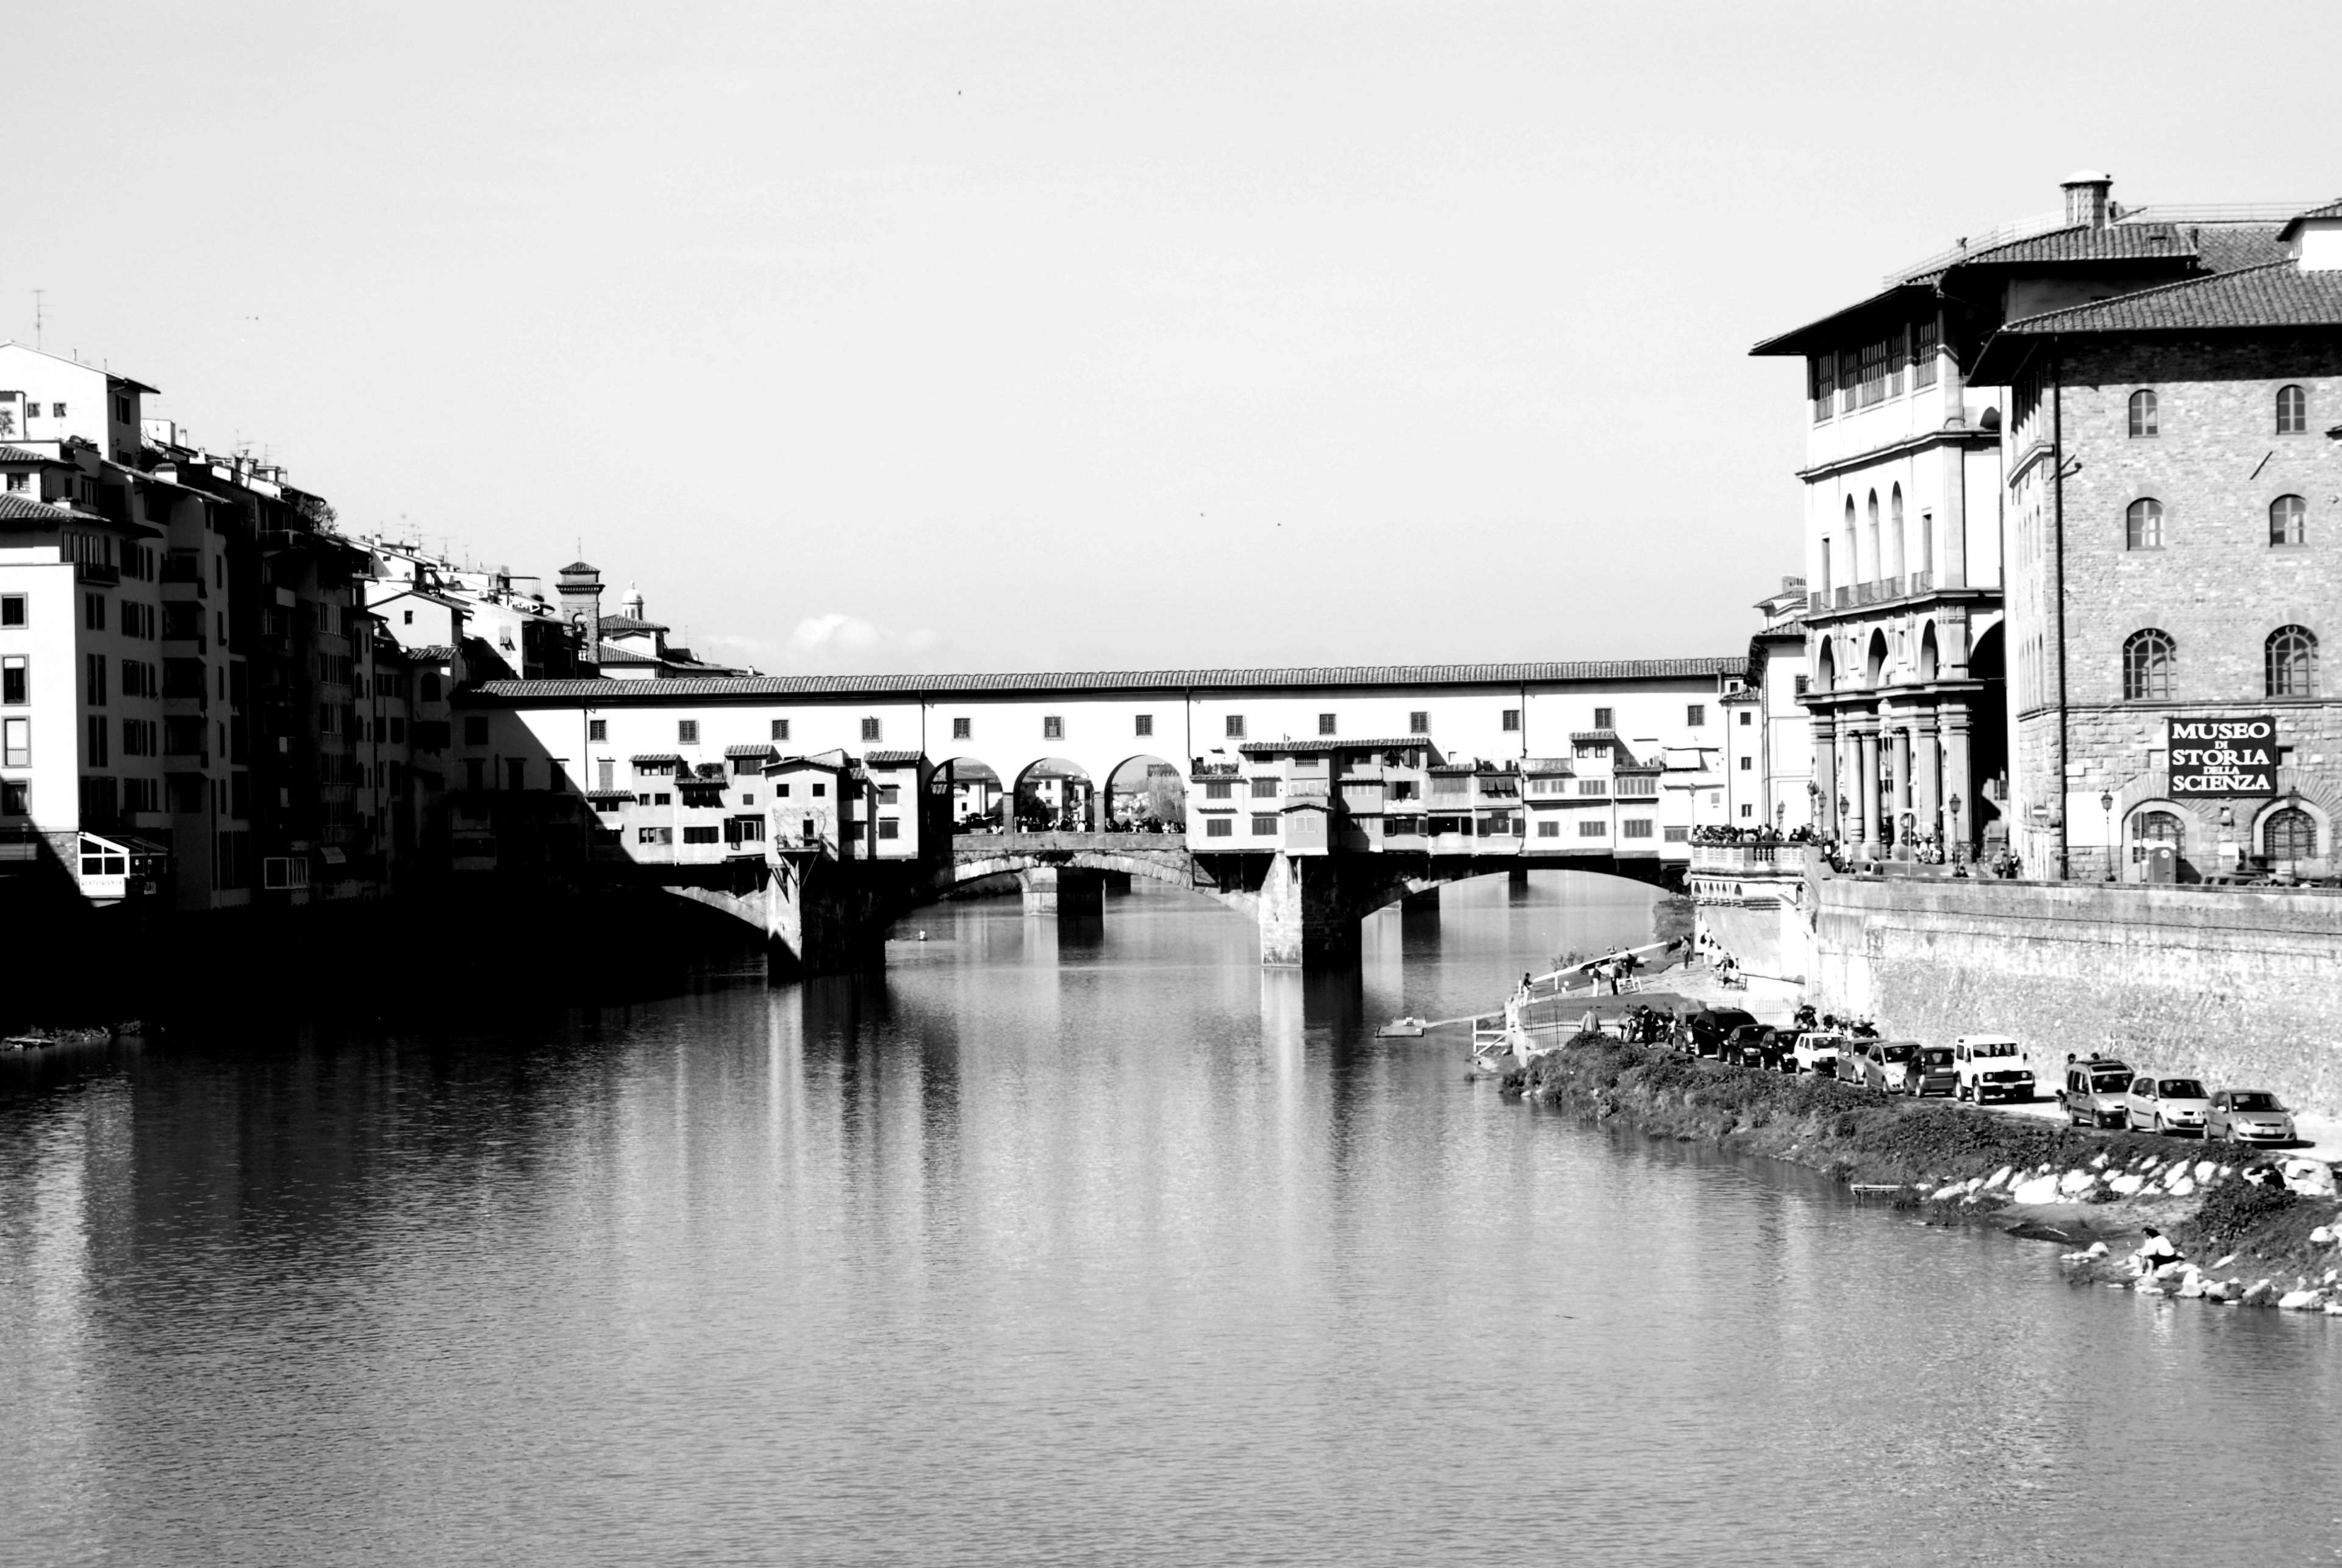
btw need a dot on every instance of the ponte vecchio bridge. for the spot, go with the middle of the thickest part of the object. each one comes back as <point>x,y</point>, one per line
<point>822,809</point>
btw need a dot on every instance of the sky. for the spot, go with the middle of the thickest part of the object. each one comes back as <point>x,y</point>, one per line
<point>879,337</point>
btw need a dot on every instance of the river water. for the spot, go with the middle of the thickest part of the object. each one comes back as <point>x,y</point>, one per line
<point>1058,1244</point>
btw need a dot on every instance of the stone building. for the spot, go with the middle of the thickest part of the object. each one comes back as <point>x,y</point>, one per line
<point>1904,505</point>
<point>2174,460</point>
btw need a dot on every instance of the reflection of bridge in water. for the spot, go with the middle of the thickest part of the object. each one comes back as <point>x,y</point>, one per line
<point>831,917</point>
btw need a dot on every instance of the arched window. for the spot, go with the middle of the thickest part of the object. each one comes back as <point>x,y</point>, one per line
<point>1895,524</point>
<point>2147,657</point>
<point>2142,523</point>
<point>2154,830</point>
<point>1878,562</point>
<point>2291,834</point>
<point>2142,414</point>
<point>2292,411</point>
<point>2292,662</point>
<point>2288,520</point>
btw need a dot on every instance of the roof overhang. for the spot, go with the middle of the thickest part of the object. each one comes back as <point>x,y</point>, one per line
<point>1833,331</point>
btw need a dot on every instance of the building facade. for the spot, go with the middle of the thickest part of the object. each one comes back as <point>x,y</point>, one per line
<point>2173,463</point>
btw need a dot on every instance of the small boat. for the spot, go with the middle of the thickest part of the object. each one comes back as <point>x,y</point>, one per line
<point>1407,1028</point>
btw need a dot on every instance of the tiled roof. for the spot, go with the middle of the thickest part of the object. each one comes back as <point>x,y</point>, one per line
<point>611,654</point>
<point>891,759</point>
<point>2277,295</point>
<point>20,454</point>
<point>431,653</point>
<point>2081,242</point>
<point>915,687</point>
<point>629,624</point>
<point>577,569</point>
<point>16,507</point>
<point>1594,734</point>
<point>2330,210</point>
<point>752,751</point>
<point>2231,247</point>
<point>1317,745</point>
<point>657,759</point>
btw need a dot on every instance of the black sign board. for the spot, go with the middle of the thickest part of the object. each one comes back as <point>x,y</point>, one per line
<point>2223,756</point>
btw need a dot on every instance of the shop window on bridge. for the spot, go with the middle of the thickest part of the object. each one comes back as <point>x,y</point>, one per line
<point>1418,722</point>
<point>1676,834</point>
<point>687,732</point>
<point>1053,728</point>
<point>1593,828</point>
<point>1264,789</point>
<point>1219,789</point>
<point>1219,827</point>
<point>1643,784</point>
<point>597,729</point>
<point>888,827</point>
<point>1635,828</point>
<point>1236,727</point>
<point>1141,724</point>
<point>1513,720</point>
<point>780,729</point>
<point>1548,830</point>
<point>1696,715</point>
<point>1325,724</point>
<point>870,730</point>
<point>962,729</point>
<point>890,795</point>
<point>1602,717</point>
<point>655,835</point>
<point>1264,824</point>
<point>707,834</point>
<point>1593,786</point>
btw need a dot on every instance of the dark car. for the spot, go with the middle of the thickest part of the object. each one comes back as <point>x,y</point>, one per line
<point>1746,1046</point>
<point>1707,1029</point>
<point>1931,1072</point>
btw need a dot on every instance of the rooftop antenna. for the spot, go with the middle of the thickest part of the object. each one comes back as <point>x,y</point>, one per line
<point>40,317</point>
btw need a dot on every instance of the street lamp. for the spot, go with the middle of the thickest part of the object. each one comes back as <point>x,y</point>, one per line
<point>2106,807</point>
<point>1902,846</point>
<point>1959,845</point>
<point>2293,834</point>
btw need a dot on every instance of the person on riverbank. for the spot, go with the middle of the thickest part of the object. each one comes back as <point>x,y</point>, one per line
<point>2156,1252</point>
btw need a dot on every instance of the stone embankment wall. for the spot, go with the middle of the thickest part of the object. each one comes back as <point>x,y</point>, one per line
<point>2240,988</point>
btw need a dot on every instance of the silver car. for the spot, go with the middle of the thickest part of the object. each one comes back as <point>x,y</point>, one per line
<point>2249,1116</point>
<point>2166,1105</point>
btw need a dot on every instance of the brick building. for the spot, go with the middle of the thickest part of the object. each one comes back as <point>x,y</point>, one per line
<point>2174,460</point>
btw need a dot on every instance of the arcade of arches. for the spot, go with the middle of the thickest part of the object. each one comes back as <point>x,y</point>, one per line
<point>1910,733</point>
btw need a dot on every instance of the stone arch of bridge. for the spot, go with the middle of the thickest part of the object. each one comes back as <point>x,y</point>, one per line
<point>1130,780</point>
<point>1057,787</point>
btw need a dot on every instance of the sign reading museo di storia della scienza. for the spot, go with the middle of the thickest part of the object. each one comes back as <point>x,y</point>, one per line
<point>2223,756</point>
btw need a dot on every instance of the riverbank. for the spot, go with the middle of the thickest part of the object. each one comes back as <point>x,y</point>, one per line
<point>1951,1164</point>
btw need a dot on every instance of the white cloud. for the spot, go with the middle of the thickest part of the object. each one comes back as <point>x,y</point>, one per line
<point>840,642</point>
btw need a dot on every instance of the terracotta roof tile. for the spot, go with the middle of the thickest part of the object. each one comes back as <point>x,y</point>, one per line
<point>2330,210</point>
<point>2278,294</point>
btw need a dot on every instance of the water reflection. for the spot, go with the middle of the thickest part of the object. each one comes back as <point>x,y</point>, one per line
<point>1051,1246</point>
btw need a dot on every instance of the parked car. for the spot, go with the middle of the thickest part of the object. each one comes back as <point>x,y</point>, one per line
<point>1745,1046</point>
<point>1931,1072</point>
<point>1888,1064</point>
<point>2094,1091</point>
<point>1817,1051</point>
<point>2250,1116</point>
<point>1781,1050</point>
<point>1990,1067</point>
<point>1706,1029</point>
<point>2166,1104</point>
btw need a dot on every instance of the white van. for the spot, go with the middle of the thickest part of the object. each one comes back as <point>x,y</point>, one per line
<point>1990,1067</point>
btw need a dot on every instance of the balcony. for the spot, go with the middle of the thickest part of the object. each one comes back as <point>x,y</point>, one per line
<point>94,571</point>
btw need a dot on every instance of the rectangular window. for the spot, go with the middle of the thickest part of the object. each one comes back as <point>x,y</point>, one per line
<point>93,612</point>
<point>1549,828</point>
<point>962,729</point>
<point>1264,824</point>
<point>95,696</point>
<point>1053,728</point>
<point>57,410</point>
<point>16,797</point>
<point>1646,785</point>
<point>1822,375</point>
<point>1744,717</point>
<point>889,828</point>
<point>1236,727</point>
<point>1849,379</point>
<point>1747,764</point>
<point>607,775</point>
<point>17,743</point>
<point>706,833</point>
<point>1799,687</point>
<point>1219,827</point>
<point>654,835</point>
<point>1874,372</point>
<point>1593,827</point>
<point>1418,722</point>
<point>1695,715</point>
<point>15,681</point>
<point>12,609</point>
<point>1219,789</point>
<point>1513,720</point>
<point>597,729</point>
<point>1676,834</point>
<point>1325,724</point>
<point>95,752</point>
<point>780,729</point>
<point>687,732</point>
<point>1264,789</point>
<point>1602,718</point>
<point>1898,349</point>
<point>870,729</point>
<point>1923,354</point>
<point>1747,811</point>
<point>1144,724</point>
<point>890,795</point>
<point>1592,787</point>
<point>1635,828</point>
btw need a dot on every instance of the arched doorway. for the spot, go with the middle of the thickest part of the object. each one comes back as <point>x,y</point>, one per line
<point>2156,832</point>
<point>977,795</point>
<point>1055,795</point>
<point>1145,794</point>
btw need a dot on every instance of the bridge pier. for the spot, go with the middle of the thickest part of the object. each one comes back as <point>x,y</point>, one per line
<point>1063,890</point>
<point>1310,912</point>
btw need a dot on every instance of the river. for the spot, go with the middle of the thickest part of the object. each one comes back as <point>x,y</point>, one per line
<point>1080,1245</point>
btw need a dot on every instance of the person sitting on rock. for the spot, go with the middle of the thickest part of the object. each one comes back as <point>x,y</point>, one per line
<point>2156,1252</point>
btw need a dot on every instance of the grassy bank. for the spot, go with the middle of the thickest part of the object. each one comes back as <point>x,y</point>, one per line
<point>1957,1165</point>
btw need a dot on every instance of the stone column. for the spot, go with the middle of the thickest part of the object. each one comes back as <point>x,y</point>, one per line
<point>1062,890</point>
<point>1866,790</point>
<point>1824,743</point>
<point>1305,920</point>
<point>1957,781</point>
<point>1927,771</point>
<point>1898,793</point>
<point>1952,518</point>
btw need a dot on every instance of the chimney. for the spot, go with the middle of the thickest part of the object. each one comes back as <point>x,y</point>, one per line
<point>579,588</point>
<point>2085,198</point>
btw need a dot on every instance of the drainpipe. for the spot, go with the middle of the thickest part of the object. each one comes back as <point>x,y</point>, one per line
<point>2057,461</point>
